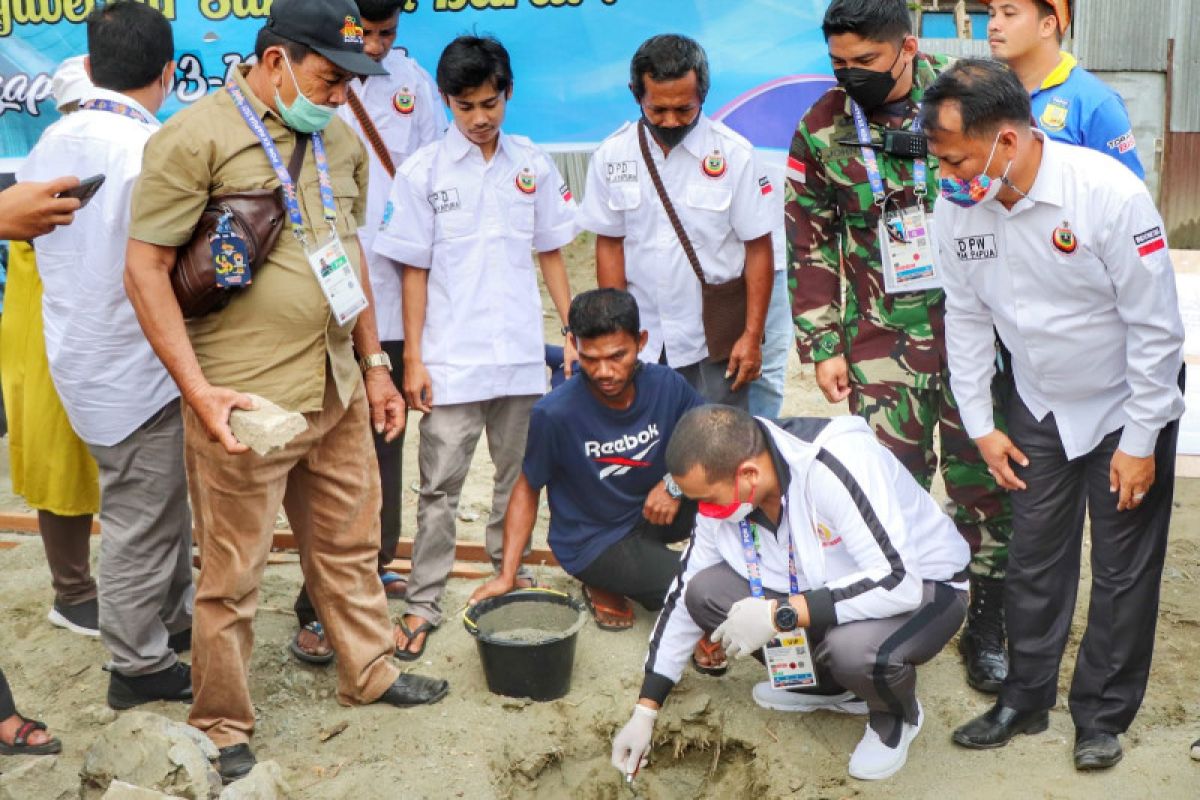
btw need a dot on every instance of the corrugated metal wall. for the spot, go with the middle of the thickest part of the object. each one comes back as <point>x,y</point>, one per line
<point>1180,204</point>
<point>1113,35</point>
<point>1185,103</point>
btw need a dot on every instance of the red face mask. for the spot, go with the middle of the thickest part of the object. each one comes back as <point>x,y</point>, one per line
<point>729,512</point>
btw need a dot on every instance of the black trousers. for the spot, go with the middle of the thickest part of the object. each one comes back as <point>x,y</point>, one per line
<point>641,566</point>
<point>7,706</point>
<point>391,461</point>
<point>1128,549</point>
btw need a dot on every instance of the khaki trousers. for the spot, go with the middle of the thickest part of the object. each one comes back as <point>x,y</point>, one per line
<point>328,482</point>
<point>449,435</point>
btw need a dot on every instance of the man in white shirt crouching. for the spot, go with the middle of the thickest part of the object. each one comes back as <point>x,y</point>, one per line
<point>1062,252</point>
<point>117,394</point>
<point>818,553</point>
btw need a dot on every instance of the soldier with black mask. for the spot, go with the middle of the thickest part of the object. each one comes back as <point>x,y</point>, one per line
<point>860,192</point>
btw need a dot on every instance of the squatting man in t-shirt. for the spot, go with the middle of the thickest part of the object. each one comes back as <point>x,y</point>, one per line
<point>597,443</point>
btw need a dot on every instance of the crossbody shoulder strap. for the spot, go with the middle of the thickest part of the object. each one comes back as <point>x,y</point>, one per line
<point>296,162</point>
<point>676,223</point>
<point>372,134</point>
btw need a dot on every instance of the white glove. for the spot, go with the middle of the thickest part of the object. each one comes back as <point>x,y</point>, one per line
<point>748,628</point>
<point>632,744</point>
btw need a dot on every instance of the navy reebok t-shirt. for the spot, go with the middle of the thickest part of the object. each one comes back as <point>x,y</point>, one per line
<point>599,463</point>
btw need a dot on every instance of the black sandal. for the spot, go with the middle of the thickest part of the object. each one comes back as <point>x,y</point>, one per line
<point>404,654</point>
<point>299,652</point>
<point>21,746</point>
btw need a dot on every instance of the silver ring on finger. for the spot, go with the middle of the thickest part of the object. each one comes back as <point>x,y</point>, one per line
<point>1137,498</point>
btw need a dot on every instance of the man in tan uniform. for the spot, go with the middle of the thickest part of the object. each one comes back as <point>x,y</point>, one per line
<point>289,337</point>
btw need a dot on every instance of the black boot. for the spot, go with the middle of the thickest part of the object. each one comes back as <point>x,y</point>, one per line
<point>982,642</point>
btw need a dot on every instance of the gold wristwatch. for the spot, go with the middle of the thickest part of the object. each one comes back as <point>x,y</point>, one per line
<point>375,360</point>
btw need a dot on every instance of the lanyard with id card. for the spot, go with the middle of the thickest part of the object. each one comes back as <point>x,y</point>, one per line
<point>788,656</point>
<point>329,262</point>
<point>906,245</point>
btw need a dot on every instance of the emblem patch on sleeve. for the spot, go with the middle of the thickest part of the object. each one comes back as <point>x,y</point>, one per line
<point>1150,242</point>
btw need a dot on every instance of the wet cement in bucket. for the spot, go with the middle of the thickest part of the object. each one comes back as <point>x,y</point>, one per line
<point>529,623</point>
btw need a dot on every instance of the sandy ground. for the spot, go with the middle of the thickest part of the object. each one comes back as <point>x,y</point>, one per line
<point>713,742</point>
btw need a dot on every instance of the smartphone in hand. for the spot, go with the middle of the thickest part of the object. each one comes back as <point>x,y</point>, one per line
<point>85,191</point>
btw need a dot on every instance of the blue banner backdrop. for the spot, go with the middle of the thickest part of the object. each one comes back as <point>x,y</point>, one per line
<point>570,57</point>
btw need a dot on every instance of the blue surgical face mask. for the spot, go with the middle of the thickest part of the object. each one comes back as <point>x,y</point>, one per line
<point>980,188</point>
<point>303,116</point>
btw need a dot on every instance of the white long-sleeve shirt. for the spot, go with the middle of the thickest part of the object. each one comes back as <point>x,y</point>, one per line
<point>866,537</point>
<point>104,369</point>
<point>1077,279</point>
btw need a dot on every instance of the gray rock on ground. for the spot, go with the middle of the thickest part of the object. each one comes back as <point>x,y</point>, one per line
<point>265,782</point>
<point>152,752</point>
<point>43,777</point>
<point>268,427</point>
<point>120,790</point>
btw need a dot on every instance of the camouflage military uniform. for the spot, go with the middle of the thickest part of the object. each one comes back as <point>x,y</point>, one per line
<point>894,344</point>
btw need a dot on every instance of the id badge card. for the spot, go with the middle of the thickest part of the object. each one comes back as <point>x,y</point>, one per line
<point>789,662</point>
<point>908,251</point>
<point>231,256</point>
<point>336,275</point>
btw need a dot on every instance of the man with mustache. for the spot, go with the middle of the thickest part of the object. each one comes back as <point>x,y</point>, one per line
<point>716,233</point>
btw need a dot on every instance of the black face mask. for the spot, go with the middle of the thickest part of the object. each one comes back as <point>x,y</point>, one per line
<point>670,138</point>
<point>867,87</point>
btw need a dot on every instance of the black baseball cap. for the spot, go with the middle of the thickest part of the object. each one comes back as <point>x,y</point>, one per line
<point>332,28</point>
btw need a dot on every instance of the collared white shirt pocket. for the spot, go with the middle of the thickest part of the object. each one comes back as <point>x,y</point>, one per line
<point>521,215</point>
<point>706,217</point>
<point>624,196</point>
<point>451,218</point>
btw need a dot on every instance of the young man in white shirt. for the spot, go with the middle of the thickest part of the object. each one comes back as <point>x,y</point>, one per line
<point>394,115</point>
<point>118,396</point>
<point>1066,258</point>
<point>724,203</point>
<point>464,215</point>
<point>808,527</point>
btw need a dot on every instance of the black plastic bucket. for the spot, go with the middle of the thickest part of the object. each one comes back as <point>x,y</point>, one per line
<point>526,641</point>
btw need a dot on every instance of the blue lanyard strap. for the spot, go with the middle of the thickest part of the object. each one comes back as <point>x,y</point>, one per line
<point>114,107</point>
<point>290,197</point>
<point>878,191</point>
<point>750,550</point>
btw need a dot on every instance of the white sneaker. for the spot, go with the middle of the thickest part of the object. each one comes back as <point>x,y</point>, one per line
<point>783,700</point>
<point>873,760</point>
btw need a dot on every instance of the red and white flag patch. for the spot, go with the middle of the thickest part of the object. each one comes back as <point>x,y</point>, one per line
<point>1150,242</point>
<point>565,191</point>
<point>764,186</point>
<point>796,171</point>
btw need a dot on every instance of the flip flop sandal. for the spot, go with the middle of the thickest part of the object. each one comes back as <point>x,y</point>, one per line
<point>21,746</point>
<point>404,654</point>
<point>395,585</point>
<point>598,607</point>
<point>316,629</point>
<point>709,649</point>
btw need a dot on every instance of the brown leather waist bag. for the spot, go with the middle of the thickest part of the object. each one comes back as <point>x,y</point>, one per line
<point>257,216</point>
